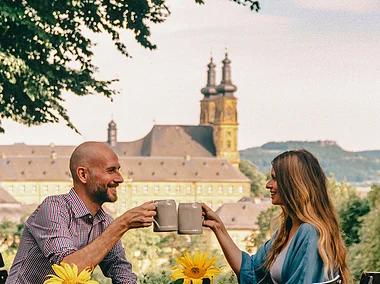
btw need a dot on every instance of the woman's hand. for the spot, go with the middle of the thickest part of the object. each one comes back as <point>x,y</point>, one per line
<point>230,249</point>
<point>211,219</point>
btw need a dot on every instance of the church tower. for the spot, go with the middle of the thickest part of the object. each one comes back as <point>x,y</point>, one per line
<point>112,132</point>
<point>207,116</point>
<point>226,122</point>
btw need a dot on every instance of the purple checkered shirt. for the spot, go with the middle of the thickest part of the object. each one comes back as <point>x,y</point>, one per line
<point>61,225</point>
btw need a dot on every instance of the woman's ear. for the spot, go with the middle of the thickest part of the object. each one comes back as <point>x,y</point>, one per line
<point>83,174</point>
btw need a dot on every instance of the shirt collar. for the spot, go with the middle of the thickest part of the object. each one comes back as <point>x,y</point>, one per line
<point>80,209</point>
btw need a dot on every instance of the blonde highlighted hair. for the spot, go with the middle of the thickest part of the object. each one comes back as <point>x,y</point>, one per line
<point>302,185</point>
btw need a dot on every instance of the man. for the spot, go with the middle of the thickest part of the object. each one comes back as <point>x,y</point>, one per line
<point>73,227</point>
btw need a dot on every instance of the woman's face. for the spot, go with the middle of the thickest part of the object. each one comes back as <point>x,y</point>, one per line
<point>272,186</point>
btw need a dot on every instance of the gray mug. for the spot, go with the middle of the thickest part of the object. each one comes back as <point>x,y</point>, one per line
<point>166,217</point>
<point>190,218</point>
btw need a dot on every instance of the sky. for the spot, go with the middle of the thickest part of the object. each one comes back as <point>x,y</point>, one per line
<point>305,70</point>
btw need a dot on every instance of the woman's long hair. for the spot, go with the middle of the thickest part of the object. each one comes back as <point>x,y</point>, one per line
<point>302,185</point>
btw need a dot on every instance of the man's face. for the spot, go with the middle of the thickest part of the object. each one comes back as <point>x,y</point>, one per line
<point>102,192</point>
<point>104,179</point>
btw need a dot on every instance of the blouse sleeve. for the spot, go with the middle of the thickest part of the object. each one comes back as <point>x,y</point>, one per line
<point>251,269</point>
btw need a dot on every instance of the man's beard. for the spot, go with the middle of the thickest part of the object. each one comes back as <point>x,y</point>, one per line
<point>100,193</point>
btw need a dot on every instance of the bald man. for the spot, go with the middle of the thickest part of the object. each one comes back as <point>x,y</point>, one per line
<point>73,227</point>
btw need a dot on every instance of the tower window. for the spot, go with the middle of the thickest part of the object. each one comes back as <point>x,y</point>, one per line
<point>228,144</point>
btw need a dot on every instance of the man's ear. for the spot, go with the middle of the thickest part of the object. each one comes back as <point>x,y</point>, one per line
<point>83,174</point>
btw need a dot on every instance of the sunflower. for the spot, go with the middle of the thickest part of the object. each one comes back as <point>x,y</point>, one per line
<point>68,275</point>
<point>193,271</point>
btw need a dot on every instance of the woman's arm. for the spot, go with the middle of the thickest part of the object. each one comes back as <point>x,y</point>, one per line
<point>231,251</point>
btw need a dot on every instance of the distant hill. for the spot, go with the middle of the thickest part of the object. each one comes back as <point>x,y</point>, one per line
<point>358,168</point>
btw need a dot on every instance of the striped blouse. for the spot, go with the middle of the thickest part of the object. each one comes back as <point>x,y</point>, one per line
<point>61,225</point>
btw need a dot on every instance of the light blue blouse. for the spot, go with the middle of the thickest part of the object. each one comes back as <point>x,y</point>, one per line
<point>302,262</point>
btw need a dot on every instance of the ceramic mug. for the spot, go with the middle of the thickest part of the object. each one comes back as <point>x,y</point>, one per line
<point>166,217</point>
<point>190,218</point>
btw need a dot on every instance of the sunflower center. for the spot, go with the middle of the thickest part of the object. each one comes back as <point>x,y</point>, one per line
<point>194,272</point>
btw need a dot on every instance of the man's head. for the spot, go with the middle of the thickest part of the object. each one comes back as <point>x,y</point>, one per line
<point>95,171</point>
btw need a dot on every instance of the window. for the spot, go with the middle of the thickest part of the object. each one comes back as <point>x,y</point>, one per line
<point>57,189</point>
<point>228,144</point>
<point>188,189</point>
<point>199,189</point>
<point>178,189</point>
<point>167,189</point>
<point>22,188</point>
<point>34,189</point>
<point>134,188</point>
<point>156,189</point>
<point>241,189</point>
<point>230,189</point>
<point>10,189</point>
<point>220,189</point>
<point>46,188</point>
<point>209,189</point>
<point>145,189</point>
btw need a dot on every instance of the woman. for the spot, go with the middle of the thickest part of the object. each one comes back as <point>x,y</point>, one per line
<point>308,246</point>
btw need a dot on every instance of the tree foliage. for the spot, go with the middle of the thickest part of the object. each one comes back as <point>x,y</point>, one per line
<point>44,50</point>
<point>364,256</point>
<point>258,180</point>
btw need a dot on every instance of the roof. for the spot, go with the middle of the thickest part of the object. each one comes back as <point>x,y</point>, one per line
<point>242,215</point>
<point>137,168</point>
<point>181,169</point>
<point>14,212</point>
<point>171,141</point>
<point>6,198</point>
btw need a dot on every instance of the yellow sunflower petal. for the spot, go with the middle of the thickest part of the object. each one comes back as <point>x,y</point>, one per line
<point>182,261</point>
<point>53,280</point>
<point>210,262</point>
<point>211,272</point>
<point>188,258</point>
<point>74,270</point>
<point>85,274</point>
<point>60,271</point>
<point>196,281</point>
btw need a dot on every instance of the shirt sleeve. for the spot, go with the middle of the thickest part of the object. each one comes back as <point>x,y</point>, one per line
<point>116,266</point>
<point>251,269</point>
<point>49,227</point>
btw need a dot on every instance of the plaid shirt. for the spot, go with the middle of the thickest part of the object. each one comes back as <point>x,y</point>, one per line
<point>61,225</point>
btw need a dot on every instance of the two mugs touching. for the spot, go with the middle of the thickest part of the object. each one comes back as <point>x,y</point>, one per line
<point>187,219</point>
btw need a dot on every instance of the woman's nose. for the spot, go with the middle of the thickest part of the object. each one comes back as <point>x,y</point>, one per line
<point>268,185</point>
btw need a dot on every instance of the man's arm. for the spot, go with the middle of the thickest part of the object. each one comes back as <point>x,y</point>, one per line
<point>94,253</point>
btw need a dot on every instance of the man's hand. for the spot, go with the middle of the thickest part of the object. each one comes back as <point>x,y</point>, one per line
<point>140,216</point>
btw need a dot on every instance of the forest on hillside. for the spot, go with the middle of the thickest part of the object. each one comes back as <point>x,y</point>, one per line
<point>358,168</point>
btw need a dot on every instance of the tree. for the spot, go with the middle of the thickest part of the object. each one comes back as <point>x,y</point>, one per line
<point>364,256</point>
<point>43,51</point>
<point>258,180</point>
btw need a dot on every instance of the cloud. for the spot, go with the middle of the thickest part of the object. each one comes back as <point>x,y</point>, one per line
<point>356,6</point>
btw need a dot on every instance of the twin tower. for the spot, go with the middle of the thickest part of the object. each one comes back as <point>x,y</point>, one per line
<point>219,110</point>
